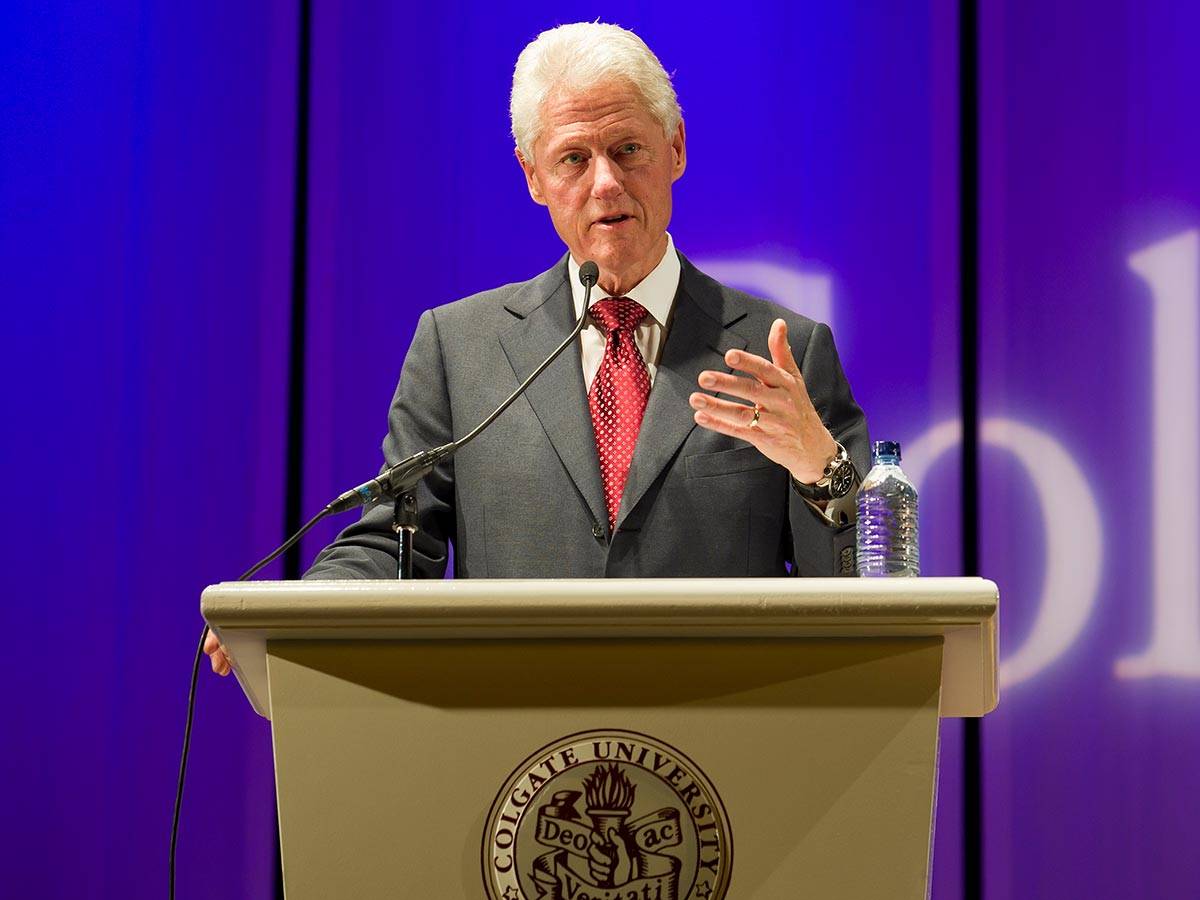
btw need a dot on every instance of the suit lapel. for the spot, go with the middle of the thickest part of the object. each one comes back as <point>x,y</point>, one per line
<point>558,398</point>
<point>698,339</point>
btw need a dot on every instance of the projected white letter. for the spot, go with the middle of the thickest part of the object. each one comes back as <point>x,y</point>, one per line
<point>1171,269</point>
<point>807,293</point>
<point>1072,527</point>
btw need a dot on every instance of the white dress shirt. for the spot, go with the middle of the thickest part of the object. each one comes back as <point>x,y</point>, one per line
<point>656,294</point>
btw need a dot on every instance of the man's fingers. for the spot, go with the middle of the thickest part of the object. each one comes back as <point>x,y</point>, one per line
<point>217,657</point>
<point>781,350</point>
<point>750,435</point>
<point>747,388</point>
<point>712,424</point>
<point>762,369</point>
<point>727,412</point>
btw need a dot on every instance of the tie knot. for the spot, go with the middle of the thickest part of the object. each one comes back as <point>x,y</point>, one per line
<point>617,314</point>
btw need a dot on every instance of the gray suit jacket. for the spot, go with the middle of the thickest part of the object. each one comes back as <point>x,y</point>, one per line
<point>524,500</point>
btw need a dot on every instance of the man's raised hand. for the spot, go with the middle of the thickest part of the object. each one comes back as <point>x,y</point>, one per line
<point>787,429</point>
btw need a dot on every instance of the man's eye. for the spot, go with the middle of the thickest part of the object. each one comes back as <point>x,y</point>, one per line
<point>573,159</point>
<point>630,148</point>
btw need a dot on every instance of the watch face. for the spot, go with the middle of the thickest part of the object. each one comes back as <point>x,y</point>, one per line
<point>841,480</point>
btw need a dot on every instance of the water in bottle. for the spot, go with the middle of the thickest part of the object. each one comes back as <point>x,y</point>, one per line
<point>887,516</point>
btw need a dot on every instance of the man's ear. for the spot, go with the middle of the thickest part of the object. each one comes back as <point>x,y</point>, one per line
<point>679,152</point>
<point>530,179</point>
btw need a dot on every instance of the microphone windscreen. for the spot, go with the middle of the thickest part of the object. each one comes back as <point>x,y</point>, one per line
<point>589,274</point>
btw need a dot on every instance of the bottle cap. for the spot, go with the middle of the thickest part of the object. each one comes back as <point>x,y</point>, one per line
<point>885,450</point>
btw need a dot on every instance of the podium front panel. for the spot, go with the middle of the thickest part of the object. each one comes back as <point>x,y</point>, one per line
<point>746,768</point>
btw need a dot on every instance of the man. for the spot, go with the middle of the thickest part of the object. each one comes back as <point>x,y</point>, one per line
<point>601,470</point>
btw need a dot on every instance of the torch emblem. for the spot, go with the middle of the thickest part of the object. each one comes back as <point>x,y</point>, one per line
<point>607,816</point>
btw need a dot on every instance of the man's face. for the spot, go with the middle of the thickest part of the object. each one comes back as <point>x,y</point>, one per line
<point>604,169</point>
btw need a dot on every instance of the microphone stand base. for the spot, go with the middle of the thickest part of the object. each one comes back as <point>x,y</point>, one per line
<point>404,523</point>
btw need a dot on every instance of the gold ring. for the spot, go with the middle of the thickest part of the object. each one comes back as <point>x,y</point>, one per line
<point>754,421</point>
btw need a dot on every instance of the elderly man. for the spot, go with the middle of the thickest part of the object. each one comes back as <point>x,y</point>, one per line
<point>601,469</point>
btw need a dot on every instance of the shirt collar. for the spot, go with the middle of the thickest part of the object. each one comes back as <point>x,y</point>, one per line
<point>655,292</point>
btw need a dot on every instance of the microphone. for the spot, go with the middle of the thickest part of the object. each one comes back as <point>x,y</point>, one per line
<point>394,480</point>
<point>401,477</point>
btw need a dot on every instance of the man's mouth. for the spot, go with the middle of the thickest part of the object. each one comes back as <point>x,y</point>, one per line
<point>614,220</point>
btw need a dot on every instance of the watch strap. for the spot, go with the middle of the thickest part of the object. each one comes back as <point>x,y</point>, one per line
<point>822,490</point>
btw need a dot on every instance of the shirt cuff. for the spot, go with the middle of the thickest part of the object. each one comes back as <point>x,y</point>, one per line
<point>843,510</point>
<point>839,512</point>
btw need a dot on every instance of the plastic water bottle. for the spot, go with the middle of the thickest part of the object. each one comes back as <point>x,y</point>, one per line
<point>887,517</point>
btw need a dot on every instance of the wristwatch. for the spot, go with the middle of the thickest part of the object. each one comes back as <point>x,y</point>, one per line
<point>837,480</point>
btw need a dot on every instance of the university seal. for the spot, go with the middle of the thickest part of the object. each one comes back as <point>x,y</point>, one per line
<point>607,815</point>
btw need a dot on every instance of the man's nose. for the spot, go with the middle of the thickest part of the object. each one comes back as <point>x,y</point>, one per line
<point>608,179</point>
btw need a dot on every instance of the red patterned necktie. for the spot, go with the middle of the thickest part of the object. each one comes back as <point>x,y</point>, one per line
<point>618,394</point>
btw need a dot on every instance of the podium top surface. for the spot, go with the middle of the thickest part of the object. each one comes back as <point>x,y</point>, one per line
<point>961,610</point>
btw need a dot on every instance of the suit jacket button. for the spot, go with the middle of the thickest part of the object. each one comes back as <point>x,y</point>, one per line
<point>597,530</point>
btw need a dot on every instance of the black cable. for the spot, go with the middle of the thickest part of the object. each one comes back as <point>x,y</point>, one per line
<point>187,740</point>
<point>285,546</point>
<point>191,704</point>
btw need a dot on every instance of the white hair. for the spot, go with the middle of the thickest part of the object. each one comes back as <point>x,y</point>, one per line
<point>577,57</point>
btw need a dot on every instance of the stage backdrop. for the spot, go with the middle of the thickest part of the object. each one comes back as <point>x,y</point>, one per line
<point>145,219</point>
<point>1089,392</point>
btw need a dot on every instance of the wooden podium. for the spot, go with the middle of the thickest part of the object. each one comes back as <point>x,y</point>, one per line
<point>609,739</point>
